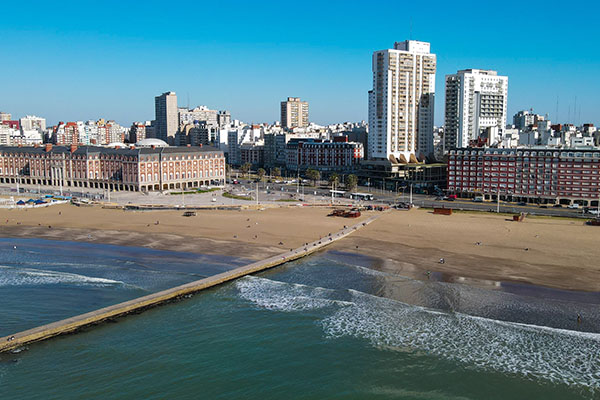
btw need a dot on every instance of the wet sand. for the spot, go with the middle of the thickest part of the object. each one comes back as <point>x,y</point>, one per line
<point>552,252</point>
<point>251,234</point>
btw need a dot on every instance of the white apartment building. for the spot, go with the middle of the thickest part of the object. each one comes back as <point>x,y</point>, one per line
<point>401,104</point>
<point>30,122</point>
<point>294,113</point>
<point>475,107</point>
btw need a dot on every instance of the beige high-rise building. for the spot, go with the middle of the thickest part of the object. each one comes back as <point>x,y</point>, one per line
<point>167,117</point>
<point>5,116</point>
<point>294,113</point>
<point>401,104</point>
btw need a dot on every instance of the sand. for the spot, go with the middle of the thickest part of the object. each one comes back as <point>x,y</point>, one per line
<point>553,252</point>
<point>251,234</point>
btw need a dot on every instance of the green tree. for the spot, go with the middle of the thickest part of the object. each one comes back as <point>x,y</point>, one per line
<point>334,178</point>
<point>351,182</point>
<point>277,172</point>
<point>244,169</point>
<point>261,173</point>
<point>313,175</point>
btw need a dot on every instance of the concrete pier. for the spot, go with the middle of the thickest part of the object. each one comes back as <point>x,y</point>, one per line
<point>73,324</point>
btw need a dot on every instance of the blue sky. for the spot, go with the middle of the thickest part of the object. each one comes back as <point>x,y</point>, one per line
<point>90,59</point>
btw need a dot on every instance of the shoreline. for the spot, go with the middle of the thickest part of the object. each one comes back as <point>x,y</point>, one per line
<point>135,306</point>
<point>480,249</point>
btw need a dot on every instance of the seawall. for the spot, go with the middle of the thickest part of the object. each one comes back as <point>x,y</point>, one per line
<point>73,324</point>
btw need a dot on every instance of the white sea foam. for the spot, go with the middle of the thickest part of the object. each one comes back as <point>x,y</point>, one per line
<point>282,296</point>
<point>536,352</point>
<point>10,276</point>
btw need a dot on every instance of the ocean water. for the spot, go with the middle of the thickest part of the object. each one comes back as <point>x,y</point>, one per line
<point>328,326</point>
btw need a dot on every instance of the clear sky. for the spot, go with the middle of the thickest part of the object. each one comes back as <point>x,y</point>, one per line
<point>78,60</point>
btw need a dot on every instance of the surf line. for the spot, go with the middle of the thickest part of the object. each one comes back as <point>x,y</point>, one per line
<point>140,304</point>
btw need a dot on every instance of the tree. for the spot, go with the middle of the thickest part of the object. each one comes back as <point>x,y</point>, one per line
<point>351,181</point>
<point>334,178</point>
<point>244,169</point>
<point>313,175</point>
<point>261,173</point>
<point>277,171</point>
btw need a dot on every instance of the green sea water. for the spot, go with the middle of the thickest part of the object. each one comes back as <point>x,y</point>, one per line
<point>326,327</point>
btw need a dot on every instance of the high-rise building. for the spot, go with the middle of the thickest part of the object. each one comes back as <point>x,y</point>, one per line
<point>167,116</point>
<point>5,116</point>
<point>401,104</point>
<point>294,113</point>
<point>475,107</point>
<point>31,122</point>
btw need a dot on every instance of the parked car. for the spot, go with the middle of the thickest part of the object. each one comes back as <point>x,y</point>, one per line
<point>573,206</point>
<point>557,205</point>
<point>522,203</point>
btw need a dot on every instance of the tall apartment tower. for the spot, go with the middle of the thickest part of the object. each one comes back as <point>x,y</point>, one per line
<point>401,104</point>
<point>294,113</point>
<point>167,116</point>
<point>475,107</point>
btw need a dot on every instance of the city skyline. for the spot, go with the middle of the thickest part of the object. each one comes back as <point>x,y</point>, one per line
<point>122,65</point>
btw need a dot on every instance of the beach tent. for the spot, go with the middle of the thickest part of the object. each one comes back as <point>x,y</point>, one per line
<point>31,201</point>
<point>40,202</point>
<point>20,203</point>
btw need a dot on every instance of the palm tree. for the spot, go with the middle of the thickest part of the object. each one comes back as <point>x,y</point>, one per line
<point>244,169</point>
<point>334,178</point>
<point>277,172</point>
<point>313,175</point>
<point>261,173</point>
<point>351,182</point>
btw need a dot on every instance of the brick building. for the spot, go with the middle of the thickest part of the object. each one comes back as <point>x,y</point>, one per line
<point>325,155</point>
<point>134,169</point>
<point>535,175</point>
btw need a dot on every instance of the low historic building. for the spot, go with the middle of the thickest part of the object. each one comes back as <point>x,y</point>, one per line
<point>132,168</point>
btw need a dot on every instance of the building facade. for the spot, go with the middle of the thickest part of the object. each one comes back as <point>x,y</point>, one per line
<point>294,113</point>
<point>324,155</point>
<point>134,169</point>
<point>475,107</point>
<point>537,175</point>
<point>401,104</point>
<point>166,116</point>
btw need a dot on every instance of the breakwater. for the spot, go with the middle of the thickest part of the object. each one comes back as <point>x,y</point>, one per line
<point>76,323</point>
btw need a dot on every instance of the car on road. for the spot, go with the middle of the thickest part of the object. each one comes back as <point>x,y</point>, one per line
<point>440,198</point>
<point>573,206</point>
<point>557,206</point>
<point>522,203</point>
<point>543,206</point>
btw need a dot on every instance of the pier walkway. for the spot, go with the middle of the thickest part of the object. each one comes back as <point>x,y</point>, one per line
<point>73,324</point>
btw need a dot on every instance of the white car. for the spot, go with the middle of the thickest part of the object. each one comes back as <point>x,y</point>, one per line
<point>573,206</point>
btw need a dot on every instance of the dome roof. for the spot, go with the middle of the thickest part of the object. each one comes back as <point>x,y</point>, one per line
<point>151,142</point>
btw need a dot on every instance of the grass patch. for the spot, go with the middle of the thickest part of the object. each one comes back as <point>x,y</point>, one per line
<point>179,193</point>
<point>288,200</point>
<point>207,190</point>
<point>236,197</point>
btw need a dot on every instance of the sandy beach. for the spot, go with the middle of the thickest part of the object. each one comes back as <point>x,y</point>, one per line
<point>483,248</point>
<point>248,233</point>
<point>478,248</point>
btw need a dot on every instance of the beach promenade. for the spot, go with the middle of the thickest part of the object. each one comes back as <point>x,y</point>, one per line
<point>76,323</point>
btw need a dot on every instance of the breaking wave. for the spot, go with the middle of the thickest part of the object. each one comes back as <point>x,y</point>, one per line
<point>534,352</point>
<point>10,276</point>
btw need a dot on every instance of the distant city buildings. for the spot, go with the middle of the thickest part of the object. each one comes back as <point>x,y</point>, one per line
<point>401,104</point>
<point>476,103</point>
<point>294,113</point>
<point>166,117</point>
